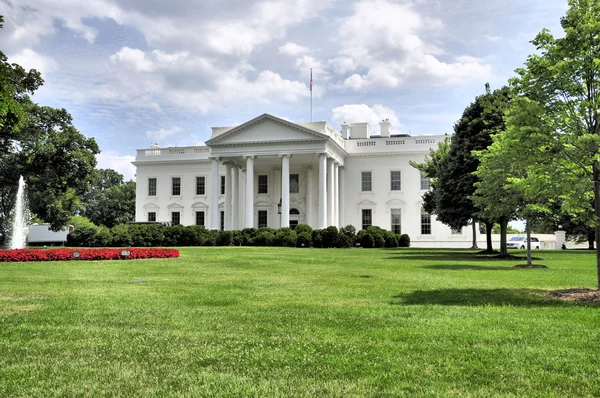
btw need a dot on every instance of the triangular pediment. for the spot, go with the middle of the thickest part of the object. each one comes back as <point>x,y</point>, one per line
<point>266,129</point>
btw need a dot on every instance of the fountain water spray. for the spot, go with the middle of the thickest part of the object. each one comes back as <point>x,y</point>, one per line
<point>20,226</point>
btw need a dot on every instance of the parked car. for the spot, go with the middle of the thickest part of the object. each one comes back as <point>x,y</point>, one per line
<point>520,242</point>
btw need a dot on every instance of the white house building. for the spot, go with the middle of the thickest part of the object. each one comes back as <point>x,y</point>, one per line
<point>276,173</point>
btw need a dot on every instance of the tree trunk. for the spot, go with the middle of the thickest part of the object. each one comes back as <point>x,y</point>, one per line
<point>488,236</point>
<point>503,228</point>
<point>596,170</point>
<point>528,230</point>
<point>474,245</point>
<point>591,238</point>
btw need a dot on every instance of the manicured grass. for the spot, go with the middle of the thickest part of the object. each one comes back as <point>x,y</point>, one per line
<point>299,322</point>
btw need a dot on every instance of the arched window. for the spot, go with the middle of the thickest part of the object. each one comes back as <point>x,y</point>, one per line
<point>294,211</point>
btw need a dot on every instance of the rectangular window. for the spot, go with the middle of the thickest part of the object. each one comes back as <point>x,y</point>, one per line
<point>395,182</point>
<point>200,218</point>
<point>294,183</point>
<point>152,216</point>
<point>176,186</point>
<point>200,185</point>
<point>222,185</point>
<point>425,223</point>
<point>367,218</point>
<point>175,218</point>
<point>396,221</point>
<point>262,218</point>
<point>151,186</point>
<point>366,180</point>
<point>425,183</point>
<point>263,183</point>
<point>222,221</point>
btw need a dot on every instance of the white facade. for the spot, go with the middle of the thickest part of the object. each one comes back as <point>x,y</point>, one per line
<point>309,171</point>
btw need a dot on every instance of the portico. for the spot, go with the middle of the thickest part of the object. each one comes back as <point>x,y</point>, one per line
<point>296,172</point>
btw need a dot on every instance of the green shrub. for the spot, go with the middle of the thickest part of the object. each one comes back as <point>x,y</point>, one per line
<point>225,238</point>
<point>264,238</point>
<point>121,237</point>
<point>82,236</point>
<point>248,236</point>
<point>404,240</point>
<point>367,240</point>
<point>304,239</point>
<point>317,237</point>
<point>303,228</point>
<point>103,237</point>
<point>330,236</point>
<point>391,240</point>
<point>344,241</point>
<point>285,237</point>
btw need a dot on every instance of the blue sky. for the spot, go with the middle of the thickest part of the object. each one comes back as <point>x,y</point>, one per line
<point>135,72</point>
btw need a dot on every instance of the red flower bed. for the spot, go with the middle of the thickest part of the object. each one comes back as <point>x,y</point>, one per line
<point>84,254</point>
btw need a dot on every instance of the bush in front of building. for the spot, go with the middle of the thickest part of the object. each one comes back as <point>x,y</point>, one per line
<point>154,235</point>
<point>304,239</point>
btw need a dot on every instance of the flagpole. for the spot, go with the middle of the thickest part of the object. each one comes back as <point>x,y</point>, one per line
<point>311,95</point>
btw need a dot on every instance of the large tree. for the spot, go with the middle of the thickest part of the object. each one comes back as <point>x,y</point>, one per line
<point>562,81</point>
<point>110,201</point>
<point>42,145</point>
<point>450,197</point>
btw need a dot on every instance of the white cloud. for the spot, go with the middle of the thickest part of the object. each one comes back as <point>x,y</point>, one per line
<point>121,163</point>
<point>133,58</point>
<point>493,39</point>
<point>163,133</point>
<point>386,39</point>
<point>30,59</point>
<point>293,49</point>
<point>360,113</point>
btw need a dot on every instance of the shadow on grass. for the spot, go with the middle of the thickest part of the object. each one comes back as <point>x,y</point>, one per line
<point>462,267</point>
<point>483,297</point>
<point>456,255</point>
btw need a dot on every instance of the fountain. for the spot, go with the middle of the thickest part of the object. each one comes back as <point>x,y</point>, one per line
<point>20,226</point>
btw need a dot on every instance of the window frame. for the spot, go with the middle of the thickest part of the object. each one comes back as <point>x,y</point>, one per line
<point>399,181</point>
<point>266,185</point>
<point>399,224</point>
<point>363,212</point>
<point>222,185</point>
<point>173,186</point>
<point>258,212</point>
<point>198,212</point>
<point>203,186</point>
<point>149,217</point>
<point>362,181</point>
<point>425,225</point>
<point>155,186</point>
<point>297,185</point>
<point>173,222</point>
<point>425,179</point>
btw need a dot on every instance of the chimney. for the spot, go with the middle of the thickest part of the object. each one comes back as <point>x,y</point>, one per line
<point>345,131</point>
<point>385,127</point>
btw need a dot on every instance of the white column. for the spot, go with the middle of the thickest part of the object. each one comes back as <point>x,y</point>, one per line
<point>249,191</point>
<point>336,195</point>
<point>228,195</point>
<point>214,194</point>
<point>285,190</point>
<point>322,190</point>
<point>330,186</point>
<point>342,207</point>
<point>310,203</point>
<point>235,197</point>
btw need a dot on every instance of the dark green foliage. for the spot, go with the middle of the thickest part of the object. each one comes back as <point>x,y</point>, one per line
<point>264,238</point>
<point>110,201</point>
<point>330,237</point>
<point>285,237</point>
<point>303,228</point>
<point>317,237</point>
<point>404,240</point>
<point>157,235</point>
<point>304,239</point>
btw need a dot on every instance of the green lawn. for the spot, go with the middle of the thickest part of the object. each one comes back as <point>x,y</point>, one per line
<point>299,322</point>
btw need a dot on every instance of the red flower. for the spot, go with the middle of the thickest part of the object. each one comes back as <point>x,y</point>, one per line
<point>84,254</point>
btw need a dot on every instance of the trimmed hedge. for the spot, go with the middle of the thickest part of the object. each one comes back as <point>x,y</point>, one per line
<point>152,235</point>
